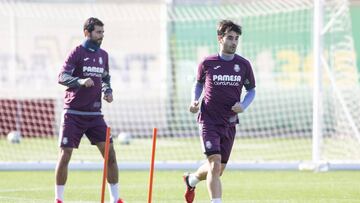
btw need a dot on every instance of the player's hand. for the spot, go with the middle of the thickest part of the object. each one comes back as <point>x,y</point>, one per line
<point>194,107</point>
<point>108,97</point>
<point>87,82</point>
<point>237,108</point>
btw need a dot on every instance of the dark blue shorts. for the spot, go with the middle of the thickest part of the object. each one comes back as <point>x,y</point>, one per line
<point>218,139</point>
<point>73,127</point>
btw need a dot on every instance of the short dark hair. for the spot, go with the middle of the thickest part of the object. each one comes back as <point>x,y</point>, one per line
<point>226,26</point>
<point>90,23</point>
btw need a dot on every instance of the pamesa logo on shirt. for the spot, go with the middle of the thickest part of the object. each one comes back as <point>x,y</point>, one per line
<point>93,71</point>
<point>227,80</point>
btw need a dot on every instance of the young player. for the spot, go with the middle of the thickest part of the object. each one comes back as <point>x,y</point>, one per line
<point>222,76</point>
<point>86,75</point>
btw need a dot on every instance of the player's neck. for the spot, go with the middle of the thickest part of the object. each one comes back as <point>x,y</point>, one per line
<point>226,57</point>
<point>90,45</point>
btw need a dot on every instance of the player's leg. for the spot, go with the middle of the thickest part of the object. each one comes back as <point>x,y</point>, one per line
<point>112,175</point>
<point>213,176</point>
<point>69,137</point>
<point>192,179</point>
<point>210,142</point>
<point>97,136</point>
<point>62,165</point>
<point>113,171</point>
<point>201,173</point>
<point>214,186</point>
<point>218,142</point>
<point>61,172</point>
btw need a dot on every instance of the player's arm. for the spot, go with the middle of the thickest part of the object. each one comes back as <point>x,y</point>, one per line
<point>240,107</point>
<point>66,77</point>
<point>106,87</point>
<point>248,99</point>
<point>196,93</point>
<point>249,85</point>
<point>197,88</point>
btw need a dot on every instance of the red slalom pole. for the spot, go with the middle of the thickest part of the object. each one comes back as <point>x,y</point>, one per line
<point>106,158</point>
<point>152,165</point>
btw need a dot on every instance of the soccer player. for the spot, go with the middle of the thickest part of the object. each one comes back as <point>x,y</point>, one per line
<point>222,76</point>
<point>86,76</point>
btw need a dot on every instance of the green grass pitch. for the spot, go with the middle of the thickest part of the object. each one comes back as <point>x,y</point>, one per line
<point>238,186</point>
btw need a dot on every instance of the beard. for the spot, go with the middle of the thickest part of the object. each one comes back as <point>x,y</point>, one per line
<point>98,41</point>
<point>95,41</point>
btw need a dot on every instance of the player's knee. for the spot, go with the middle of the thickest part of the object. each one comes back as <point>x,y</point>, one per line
<point>65,157</point>
<point>222,169</point>
<point>221,172</point>
<point>215,165</point>
<point>216,168</point>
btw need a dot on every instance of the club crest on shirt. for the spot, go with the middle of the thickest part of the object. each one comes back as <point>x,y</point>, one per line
<point>100,60</point>
<point>65,140</point>
<point>236,68</point>
<point>208,144</point>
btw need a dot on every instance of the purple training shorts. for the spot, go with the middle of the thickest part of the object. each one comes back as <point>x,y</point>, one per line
<point>218,139</point>
<point>73,127</point>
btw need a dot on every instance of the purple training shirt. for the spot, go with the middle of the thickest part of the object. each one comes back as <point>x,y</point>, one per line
<point>82,63</point>
<point>224,81</point>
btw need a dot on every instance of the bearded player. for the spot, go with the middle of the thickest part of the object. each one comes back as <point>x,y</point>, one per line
<point>86,76</point>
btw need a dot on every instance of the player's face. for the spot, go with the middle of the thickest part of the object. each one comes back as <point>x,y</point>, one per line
<point>97,34</point>
<point>229,42</point>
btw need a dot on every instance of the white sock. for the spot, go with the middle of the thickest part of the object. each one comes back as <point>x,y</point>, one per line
<point>193,180</point>
<point>114,192</point>
<point>59,192</point>
<point>217,200</point>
